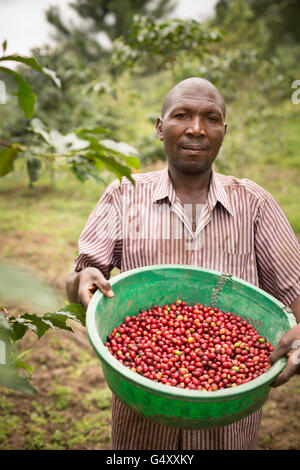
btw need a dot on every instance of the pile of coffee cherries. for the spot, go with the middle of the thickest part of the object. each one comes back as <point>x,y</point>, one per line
<point>191,347</point>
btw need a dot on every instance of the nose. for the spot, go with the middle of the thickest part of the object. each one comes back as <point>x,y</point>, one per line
<point>196,127</point>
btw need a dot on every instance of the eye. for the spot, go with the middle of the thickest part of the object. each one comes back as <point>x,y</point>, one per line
<point>180,115</point>
<point>212,118</point>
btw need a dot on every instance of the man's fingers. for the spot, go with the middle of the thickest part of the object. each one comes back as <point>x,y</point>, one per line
<point>84,297</point>
<point>86,292</point>
<point>290,369</point>
<point>105,289</point>
<point>98,280</point>
<point>91,279</point>
<point>281,350</point>
<point>281,379</point>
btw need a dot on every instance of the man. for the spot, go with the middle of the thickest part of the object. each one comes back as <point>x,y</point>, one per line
<point>213,221</point>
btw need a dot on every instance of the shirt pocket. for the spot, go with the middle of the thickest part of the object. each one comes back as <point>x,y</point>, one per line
<point>241,265</point>
<point>235,242</point>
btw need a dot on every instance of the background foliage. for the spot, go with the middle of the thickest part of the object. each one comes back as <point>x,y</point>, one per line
<point>106,97</point>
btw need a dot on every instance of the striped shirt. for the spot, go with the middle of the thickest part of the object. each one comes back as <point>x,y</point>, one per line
<point>240,230</point>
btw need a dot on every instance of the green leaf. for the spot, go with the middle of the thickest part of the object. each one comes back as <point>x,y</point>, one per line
<point>33,168</point>
<point>4,46</point>
<point>84,170</point>
<point>58,319</point>
<point>19,364</point>
<point>26,97</point>
<point>79,172</point>
<point>24,353</point>
<point>94,130</point>
<point>20,326</point>
<point>98,165</point>
<point>101,153</point>
<point>7,158</point>
<point>117,168</point>
<point>11,379</point>
<point>74,312</point>
<point>77,311</point>
<point>18,329</point>
<point>123,150</point>
<point>38,324</point>
<point>133,162</point>
<point>27,322</point>
<point>41,324</point>
<point>30,61</point>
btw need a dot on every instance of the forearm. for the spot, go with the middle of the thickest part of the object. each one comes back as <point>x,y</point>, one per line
<point>288,346</point>
<point>72,285</point>
<point>295,307</point>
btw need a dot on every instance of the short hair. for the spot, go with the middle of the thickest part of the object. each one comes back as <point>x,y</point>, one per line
<point>196,83</point>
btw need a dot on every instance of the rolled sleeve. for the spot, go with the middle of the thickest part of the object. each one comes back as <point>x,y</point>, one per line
<point>277,253</point>
<point>100,243</point>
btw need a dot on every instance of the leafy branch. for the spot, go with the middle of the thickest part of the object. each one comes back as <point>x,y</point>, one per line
<point>13,329</point>
<point>17,285</point>
<point>82,151</point>
<point>85,152</point>
<point>162,43</point>
<point>26,96</point>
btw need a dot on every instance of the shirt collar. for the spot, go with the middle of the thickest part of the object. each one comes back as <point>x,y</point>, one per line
<point>217,193</point>
<point>164,188</point>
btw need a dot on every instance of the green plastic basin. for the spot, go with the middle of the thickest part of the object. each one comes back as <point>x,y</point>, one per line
<point>163,284</point>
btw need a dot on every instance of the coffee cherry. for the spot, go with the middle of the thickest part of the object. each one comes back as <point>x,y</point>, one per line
<point>194,347</point>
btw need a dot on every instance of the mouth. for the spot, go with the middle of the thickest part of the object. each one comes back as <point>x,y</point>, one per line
<point>195,148</point>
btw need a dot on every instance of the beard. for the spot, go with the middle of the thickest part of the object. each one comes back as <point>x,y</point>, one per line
<point>190,166</point>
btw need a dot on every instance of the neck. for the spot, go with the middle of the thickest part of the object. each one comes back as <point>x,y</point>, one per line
<point>191,188</point>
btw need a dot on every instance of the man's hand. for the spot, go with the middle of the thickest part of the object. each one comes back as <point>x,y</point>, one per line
<point>82,285</point>
<point>289,345</point>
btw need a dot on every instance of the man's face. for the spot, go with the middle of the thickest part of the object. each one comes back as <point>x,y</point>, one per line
<point>192,130</point>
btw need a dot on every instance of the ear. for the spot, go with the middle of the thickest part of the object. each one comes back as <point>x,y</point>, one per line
<point>225,130</point>
<point>159,128</point>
